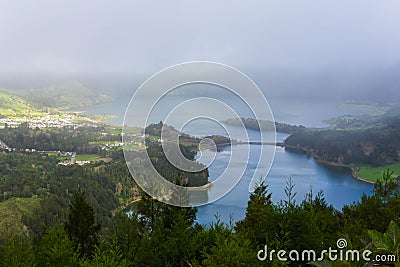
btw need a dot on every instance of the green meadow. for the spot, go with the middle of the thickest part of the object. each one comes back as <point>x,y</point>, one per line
<point>374,173</point>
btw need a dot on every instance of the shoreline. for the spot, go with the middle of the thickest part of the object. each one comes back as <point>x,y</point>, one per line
<point>353,168</point>
<point>208,186</point>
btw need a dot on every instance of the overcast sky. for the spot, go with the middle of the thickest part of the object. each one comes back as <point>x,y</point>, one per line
<point>75,37</point>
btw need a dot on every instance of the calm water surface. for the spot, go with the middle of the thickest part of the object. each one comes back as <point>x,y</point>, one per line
<point>338,185</point>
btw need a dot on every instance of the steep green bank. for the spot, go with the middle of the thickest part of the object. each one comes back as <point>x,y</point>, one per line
<point>370,144</point>
<point>254,124</point>
<point>55,97</point>
<point>12,105</point>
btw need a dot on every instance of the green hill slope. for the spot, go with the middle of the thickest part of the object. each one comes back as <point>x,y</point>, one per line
<point>11,212</point>
<point>63,96</point>
<point>12,105</point>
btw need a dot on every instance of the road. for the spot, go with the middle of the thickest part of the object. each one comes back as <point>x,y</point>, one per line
<point>4,145</point>
<point>73,158</point>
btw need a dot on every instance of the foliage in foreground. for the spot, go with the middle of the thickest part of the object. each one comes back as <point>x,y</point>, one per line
<point>155,234</point>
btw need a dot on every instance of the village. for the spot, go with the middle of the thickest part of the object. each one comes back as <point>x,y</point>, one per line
<point>50,121</point>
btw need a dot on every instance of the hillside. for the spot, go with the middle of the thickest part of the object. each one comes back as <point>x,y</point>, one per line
<point>11,212</point>
<point>63,96</point>
<point>364,139</point>
<point>254,124</point>
<point>12,105</point>
<point>368,142</point>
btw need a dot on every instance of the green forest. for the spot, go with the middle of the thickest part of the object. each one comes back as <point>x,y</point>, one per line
<point>371,140</point>
<point>366,143</point>
<point>78,140</point>
<point>75,233</point>
<point>96,215</point>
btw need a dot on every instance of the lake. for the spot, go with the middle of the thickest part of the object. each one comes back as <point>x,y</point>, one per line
<point>337,184</point>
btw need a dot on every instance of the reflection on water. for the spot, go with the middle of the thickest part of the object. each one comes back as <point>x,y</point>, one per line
<point>286,110</point>
<point>338,185</point>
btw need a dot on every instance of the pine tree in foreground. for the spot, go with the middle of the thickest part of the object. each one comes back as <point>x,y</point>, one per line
<point>81,226</point>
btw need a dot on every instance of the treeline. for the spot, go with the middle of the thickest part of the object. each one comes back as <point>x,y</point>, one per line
<point>56,139</point>
<point>373,146</point>
<point>184,139</point>
<point>164,166</point>
<point>188,147</point>
<point>254,124</point>
<point>37,175</point>
<point>109,185</point>
<point>156,234</point>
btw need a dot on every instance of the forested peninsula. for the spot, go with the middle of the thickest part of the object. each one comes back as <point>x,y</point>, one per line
<point>368,144</point>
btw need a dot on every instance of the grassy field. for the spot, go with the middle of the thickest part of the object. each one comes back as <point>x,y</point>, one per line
<point>61,158</point>
<point>375,173</point>
<point>115,130</point>
<point>82,157</point>
<point>89,157</point>
<point>372,109</point>
<point>11,212</point>
<point>99,143</point>
<point>358,106</point>
<point>130,130</point>
<point>132,147</point>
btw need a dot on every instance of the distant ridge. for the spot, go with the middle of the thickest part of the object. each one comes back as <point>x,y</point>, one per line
<point>12,105</point>
<point>63,96</point>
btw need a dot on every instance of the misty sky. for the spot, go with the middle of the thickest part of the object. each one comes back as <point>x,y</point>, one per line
<point>312,42</point>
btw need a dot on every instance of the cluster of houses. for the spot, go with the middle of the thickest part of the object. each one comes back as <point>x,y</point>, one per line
<point>48,121</point>
<point>109,146</point>
<point>79,162</point>
<point>73,159</point>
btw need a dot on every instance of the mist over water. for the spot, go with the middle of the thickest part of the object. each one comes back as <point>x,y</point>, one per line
<point>307,112</point>
<point>339,187</point>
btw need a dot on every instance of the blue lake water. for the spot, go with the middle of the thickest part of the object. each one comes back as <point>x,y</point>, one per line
<point>337,184</point>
